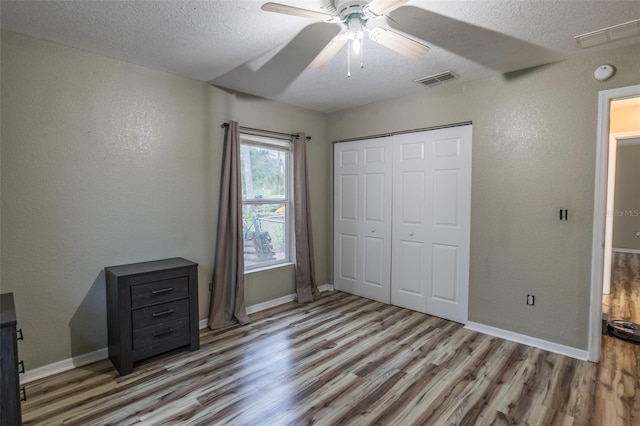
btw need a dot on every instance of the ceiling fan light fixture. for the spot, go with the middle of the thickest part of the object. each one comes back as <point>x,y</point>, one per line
<point>355,27</point>
<point>355,31</point>
<point>351,13</point>
<point>356,46</point>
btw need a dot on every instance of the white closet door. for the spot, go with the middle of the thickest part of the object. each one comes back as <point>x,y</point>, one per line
<point>410,205</point>
<point>362,218</point>
<point>432,215</point>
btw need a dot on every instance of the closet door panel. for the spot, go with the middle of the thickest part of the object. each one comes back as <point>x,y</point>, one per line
<point>409,275</point>
<point>430,240</point>
<point>349,197</point>
<point>448,234</point>
<point>444,268</point>
<point>347,266</point>
<point>374,262</point>
<point>346,224</point>
<point>408,272</point>
<point>362,197</point>
<point>446,211</point>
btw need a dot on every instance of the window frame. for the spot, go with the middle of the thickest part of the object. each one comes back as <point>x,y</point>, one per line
<point>286,146</point>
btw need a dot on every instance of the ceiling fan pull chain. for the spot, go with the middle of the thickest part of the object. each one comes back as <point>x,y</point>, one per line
<point>362,54</point>
<point>349,58</point>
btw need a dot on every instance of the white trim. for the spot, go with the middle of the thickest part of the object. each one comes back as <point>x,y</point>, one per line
<point>326,287</point>
<point>626,250</point>
<point>599,215</point>
<point>632,141</point>
<point>282,264</point>
<point>64,365</point>
<point>281,301</point>
<point>270,304</point>
<point>627,138</point>
<point>100,354</point>
<point>608,221</point>
<point>528,340</point>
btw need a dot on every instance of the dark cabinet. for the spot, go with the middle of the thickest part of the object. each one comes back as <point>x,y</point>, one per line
<point>10,391</point>
<point>152,308</point>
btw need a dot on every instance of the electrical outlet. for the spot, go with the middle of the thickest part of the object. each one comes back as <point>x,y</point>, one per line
<point>531,299</point>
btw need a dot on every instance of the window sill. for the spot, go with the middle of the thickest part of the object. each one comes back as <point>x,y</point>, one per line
<point>266,268</point>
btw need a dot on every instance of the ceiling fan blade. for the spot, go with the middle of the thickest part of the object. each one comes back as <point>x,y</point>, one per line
<point>398,43</point>
<point>272,77</point>
<point>383,7</point>
<point>329,51</point>
<point>296,11</point>
<point>491,49</point>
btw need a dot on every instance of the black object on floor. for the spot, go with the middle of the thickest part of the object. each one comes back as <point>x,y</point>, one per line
<point>624,330</point>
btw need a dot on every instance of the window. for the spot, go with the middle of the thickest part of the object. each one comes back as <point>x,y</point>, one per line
<point>266,177</point>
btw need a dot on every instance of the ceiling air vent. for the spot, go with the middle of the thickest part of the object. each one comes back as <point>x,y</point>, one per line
<point>435,79</point>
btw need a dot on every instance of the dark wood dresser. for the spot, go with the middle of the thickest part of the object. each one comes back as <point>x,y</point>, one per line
<point>152,308</point>
<point>10,413</point>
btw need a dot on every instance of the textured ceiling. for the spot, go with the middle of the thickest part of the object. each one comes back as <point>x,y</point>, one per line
<point>234,44</point>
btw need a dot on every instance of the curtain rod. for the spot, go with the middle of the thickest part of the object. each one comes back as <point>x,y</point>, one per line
<point>267,132</point>
<point>401,132</point>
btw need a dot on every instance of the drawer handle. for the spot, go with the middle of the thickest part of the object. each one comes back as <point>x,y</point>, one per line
<point>162,290</point>
<point>21,367</point>
<point>19,335</point>
<point>160,314</point>
<point>162,332</point>
<point>23,394</point>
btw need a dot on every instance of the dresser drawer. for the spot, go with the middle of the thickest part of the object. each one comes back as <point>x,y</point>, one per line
<point>159,292</point>
<point>156,314</point>
<point>160,332</point>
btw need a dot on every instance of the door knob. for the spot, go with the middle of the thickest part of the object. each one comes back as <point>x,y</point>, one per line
<point>411,234</point>
<point>373,229</point>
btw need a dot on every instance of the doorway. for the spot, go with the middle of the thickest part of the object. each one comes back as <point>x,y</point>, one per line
<point>602,244</point>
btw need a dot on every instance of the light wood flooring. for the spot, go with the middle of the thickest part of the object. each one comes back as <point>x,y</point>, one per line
<point>623,302</point>
<point>347,360</point>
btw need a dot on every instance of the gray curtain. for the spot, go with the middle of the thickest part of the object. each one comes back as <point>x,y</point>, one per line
<point>227,298</point>
<point>306,286</point>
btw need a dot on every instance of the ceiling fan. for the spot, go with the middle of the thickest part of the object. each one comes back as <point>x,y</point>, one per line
<point>355,15</point>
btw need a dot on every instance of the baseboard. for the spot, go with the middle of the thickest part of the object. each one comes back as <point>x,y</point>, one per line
<point>326,287</point>
<point>100,354</point>
<point>64,365</point>
<point>272,303</point>
<point>626,250</point>
<point>528,340</point>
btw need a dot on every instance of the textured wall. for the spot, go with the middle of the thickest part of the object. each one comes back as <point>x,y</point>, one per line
<point>104,163</point>
<point>626,221</point>
<point>534,139</point>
